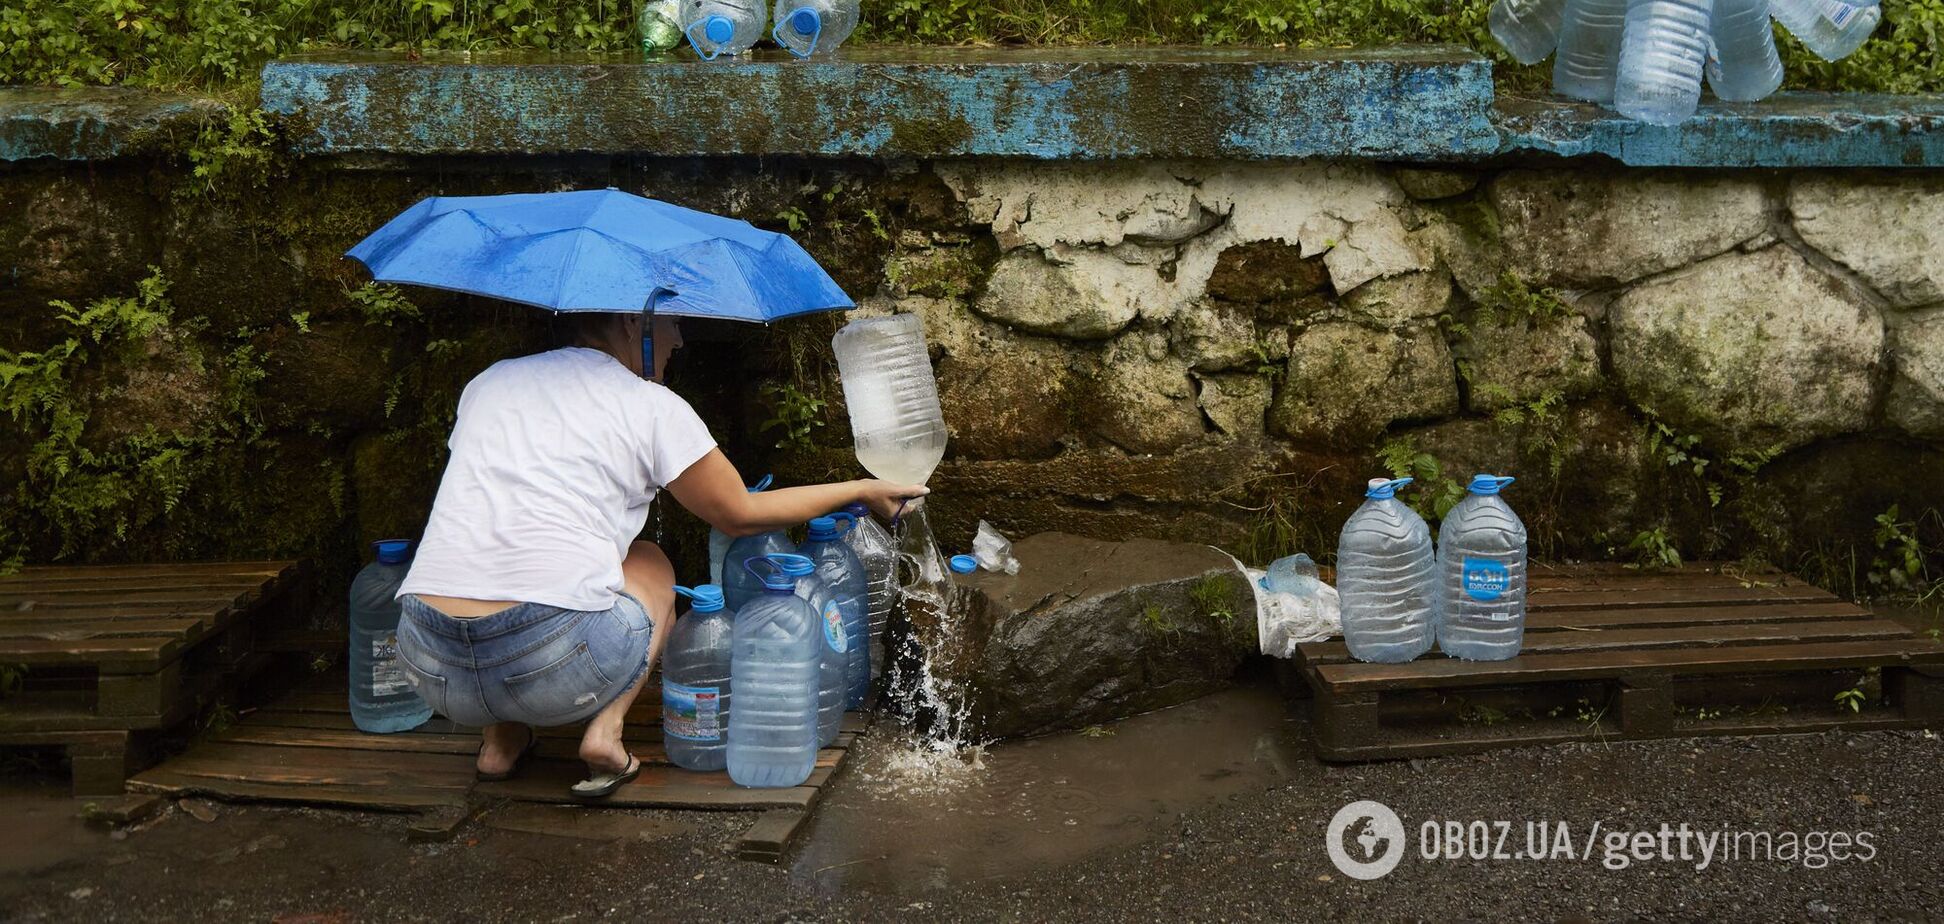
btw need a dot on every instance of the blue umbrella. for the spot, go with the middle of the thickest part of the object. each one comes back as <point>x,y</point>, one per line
<point>600,250</point>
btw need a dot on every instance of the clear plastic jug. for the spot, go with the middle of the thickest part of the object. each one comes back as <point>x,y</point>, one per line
<point>722,27</point>
<point>813,27</point>
<point>773,730</point>
<point>896,424</point>
<point>696,682</point>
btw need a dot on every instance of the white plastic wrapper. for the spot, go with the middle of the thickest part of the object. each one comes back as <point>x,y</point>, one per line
<point>1284,621</point>
<point>993,550</point>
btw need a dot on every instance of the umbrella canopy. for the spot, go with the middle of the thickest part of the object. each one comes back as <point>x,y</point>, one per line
<point>600,250</point>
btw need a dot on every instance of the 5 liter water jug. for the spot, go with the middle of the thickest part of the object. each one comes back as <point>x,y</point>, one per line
<point>813,27</point>
<point>1291,574</point>
<point>1833,29</point>
<point>719,541</point>
<point>844,573</point>
<point>659,25</point>
<point>1529,29</point>
<point>1662,53</point>
<point>739,586</point>
<point>1589,49</point>
<point>696,682</point>
<point>1744,66</point>
<point>382,699</point>
<point>773,668</point>
<point>1387,578</point>
<point>722,27</point>
<point>1482,575</point>
<point>879,553</point>
<point>830,645</point>
<point>893,399</point>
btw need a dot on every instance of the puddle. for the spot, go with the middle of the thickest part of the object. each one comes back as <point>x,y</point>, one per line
<point>903,823</point>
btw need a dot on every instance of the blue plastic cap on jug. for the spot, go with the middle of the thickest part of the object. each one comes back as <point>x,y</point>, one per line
<point>805,21</point>
<point>719,29</point>
<point>1385,488</point>
<point>964,564</point>
<point>393,551</point>
<point>857,511</point>
<point>1488,484</point>
<point>824,529</point>
<point>707,598</point>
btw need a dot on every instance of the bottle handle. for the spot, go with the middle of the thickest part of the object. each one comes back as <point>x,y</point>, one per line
<point>689,33</point>
<point>777,34</point>
<point>762,485</point>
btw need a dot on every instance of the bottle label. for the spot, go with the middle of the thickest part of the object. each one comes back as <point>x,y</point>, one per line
<point>691,713</point>
<point>387,677</point>
<point>1485,579</point>
<point>833,620</point>
<point>1838,13</point>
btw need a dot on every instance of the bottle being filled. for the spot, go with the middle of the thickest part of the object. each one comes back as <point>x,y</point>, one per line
<point>1482,575</point>
<point>382,697</point>
<point>696,682</point>
<point>774,670</point>
<point>879,553</point>
<point>1387,578</point>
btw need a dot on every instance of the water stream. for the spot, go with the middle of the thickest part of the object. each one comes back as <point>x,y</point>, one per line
<point>926,693</point>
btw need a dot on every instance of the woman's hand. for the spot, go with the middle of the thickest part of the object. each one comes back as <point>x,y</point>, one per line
<point>886,498</point>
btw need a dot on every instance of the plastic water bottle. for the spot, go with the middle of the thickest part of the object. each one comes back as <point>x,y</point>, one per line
<point>1743,66</point>
<point>844,573</point>
<point>813,27</point>
<point>879,553</point>
<point>896,424</point>
<point>1482,575</point>
<point>1833,29</point>
<point>720,541</point>
<point>696,682</point>
<point>382,699</point>
<point>659,25</point>
<point>1387,578</point>
<point>1529,29</point>
<point>722,27</point>
<point>773,668</point>
<point>739,586</point>
<point>830,634</point>
<point>1292,574</point>
<point>1589,49</point>
<point>1662,54</point>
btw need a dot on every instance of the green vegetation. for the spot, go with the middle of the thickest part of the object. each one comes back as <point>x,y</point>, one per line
<point>1212,601</point>
<point>1513,299</point>
<point>1900,567</point>
<point>1433,493</point>
<point>795,413</point>
<point>219,42</point>
<point>1653,550</point>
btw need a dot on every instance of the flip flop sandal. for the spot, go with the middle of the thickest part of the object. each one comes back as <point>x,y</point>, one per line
<point>603,785</point>
<point>533,741</point>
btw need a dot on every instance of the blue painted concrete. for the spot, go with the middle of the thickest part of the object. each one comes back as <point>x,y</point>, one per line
<point>96,123</point>
<point>1786,130</point>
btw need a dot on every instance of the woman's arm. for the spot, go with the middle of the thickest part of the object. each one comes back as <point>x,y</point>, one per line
<point>712,489</point>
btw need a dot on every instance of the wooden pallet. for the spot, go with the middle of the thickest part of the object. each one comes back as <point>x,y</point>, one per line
<point>1613,653</point>
<point>106,651</point>
<point>304,748</point>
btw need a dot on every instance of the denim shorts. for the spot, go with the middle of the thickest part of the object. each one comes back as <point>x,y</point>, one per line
<point>540,665</point>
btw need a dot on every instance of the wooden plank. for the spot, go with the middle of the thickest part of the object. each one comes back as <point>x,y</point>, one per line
<point>1398,744</point>
<point>195,598</point>
<point>12,596</point>
<point>1579,665</point>
<point>132,610</point>
<point>40,573</point>
<point>1675,595</point>
<point>558,748</point>
<point>382,798</point>
<point>1690,615</point>
<point>133,654</point>
<point>172,580</point>
<point>187,628</point>
<point>770,837</point>
<point>1665,637</point>
<point>657,787</point>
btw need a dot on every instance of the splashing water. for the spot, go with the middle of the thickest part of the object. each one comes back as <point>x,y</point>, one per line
<point>927,691</point>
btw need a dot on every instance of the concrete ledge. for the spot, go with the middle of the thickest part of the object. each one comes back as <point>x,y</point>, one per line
<point>96,123</point>
<point>1786,130</point>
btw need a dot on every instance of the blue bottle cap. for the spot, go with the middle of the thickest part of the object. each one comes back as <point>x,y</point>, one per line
<point>964,564</point>
<point>719,29</point>
<point>393,551</point>
<point>1488,484</point>
<point>1380,489</point>
<point>823,529</point>
<point>707,598</point>
<point>857,511</point>
<point>805,21</point>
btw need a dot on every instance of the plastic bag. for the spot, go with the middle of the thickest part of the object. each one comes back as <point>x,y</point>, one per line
<point>993,550</point>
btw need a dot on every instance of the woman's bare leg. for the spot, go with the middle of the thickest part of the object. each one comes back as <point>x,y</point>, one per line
<point>501,745</point>
<point>647,575</point>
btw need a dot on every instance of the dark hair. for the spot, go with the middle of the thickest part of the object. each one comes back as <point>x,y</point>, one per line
<point>580,328</point>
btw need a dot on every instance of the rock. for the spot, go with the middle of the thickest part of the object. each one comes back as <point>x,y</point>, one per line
<point>1213,336</point>
<point>1916,400</point>
<point>1403,297</point>
<point>1143,400</point>
<point>1265,273</point>
<point>334,375</point>
<point>63,236</point>
<point>1512,361</point>
<point>939,272</point>
<point>1829,494</point>
<point>1091,631</point>
<point>1582,229</point>
<point>1236,403</point>
<point>1346,383</point>
<point>1889,230</point>
<point>1091,297</point>
<point>1012,397</point>
<point>1749,351</point>
<point>1428,183</point>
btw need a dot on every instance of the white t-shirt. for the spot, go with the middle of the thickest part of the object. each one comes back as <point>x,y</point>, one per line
<point>554,460</point>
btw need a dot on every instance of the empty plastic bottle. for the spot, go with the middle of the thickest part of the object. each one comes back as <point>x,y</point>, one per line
<point>879,553</point>
<point>1833,29</point>
<point>830,646</point>
<point>658,25</point>
<point>1662,54</point>
<point>1291,574</point>
<point>813,27</point>
<point>844,573</point>
<point>739,585</point>
<point>896,424</point>
<point>382,699</point>
<point>696,682</point>
<point>722,27</point>
<point>1482,575</point>
<point>773,668</point>
<point>1589,49</point>
<point>1743,65</point>
<point>719,541</point>
<point>1387,578</point>
<point>1529,29</point>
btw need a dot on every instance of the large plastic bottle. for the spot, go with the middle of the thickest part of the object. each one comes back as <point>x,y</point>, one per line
<point>813,27</point>
<point>658,25</point>
<point>1833,29</point>
<point>739,586</point>
<point>879,553</point>
<point>720,541</point>
<point>722,27</point>
<point>896,423</point>
<point>843,572</point>
<point>1529,29</point>
<point>1589,49</point>
<point>1482,575</point>
<point>1662,54</point>
<point>830,646</point>
<point>773,668</point>
<point>1744,66</point>
<point>382,698</point>
<point>1387,578</point>
<point>696,682</point>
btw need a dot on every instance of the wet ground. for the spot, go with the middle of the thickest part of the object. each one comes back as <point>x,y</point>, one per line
<point>1214,810</point>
